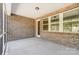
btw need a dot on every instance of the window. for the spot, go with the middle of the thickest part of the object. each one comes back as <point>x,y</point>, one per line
<point>55,23</point>
<point>45,24</point>
<point>63,22</point>
<point>71,21</point>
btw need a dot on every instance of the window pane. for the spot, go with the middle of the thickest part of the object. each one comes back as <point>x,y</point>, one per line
<point>67,27</point>
<point>45,24</point>
<point>45,21</point>
<point>55,27</point>
<point>55,23</point>
<point>45,27</point>
<point>55,18</point>
<point>71,21</point>
<point>75,26</point>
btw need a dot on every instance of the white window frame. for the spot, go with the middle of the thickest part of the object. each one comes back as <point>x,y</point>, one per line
<point>69,11</point>
<point>60,21</point>
<point>48,23</point>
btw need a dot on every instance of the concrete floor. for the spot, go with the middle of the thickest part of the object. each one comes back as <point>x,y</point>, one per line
<point>38,46</point>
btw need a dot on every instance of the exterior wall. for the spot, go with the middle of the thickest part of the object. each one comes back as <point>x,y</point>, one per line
<point>20,27</point>
<point>66,39</point>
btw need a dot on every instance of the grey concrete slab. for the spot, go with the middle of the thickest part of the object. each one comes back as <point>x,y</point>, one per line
<point>38,46</point>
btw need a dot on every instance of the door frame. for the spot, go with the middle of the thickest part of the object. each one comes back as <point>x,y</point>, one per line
<point>36,27</point>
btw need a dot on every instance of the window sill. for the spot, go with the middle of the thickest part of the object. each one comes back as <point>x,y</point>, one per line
<point>61,32</point>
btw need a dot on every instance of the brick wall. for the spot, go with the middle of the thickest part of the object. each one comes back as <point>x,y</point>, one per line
<point>20,27</point>
<point>66,39</point>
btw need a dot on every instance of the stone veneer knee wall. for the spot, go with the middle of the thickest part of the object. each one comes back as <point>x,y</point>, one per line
<point>20,27</point>
<point>66,39</point>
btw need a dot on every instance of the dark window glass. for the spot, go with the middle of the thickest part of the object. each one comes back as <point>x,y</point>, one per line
<point>45,27</point>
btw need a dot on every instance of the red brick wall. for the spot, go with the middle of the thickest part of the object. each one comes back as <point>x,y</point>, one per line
<point>20,27</point>
<point>66,39</point>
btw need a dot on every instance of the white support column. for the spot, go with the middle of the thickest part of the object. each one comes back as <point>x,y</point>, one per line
<point>49,23</point>
<point>61,22</point>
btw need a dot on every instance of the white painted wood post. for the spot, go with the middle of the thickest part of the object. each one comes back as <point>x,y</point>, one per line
<point>49,24</point>
<point>60,22</point>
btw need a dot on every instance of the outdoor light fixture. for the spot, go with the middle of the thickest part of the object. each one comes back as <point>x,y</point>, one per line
<point>37,8</point>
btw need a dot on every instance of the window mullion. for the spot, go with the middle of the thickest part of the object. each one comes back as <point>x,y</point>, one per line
<point>60,22</point>
<point>49,23</point>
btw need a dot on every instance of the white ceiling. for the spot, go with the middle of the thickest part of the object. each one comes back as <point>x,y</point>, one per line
<point>28,9</point>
